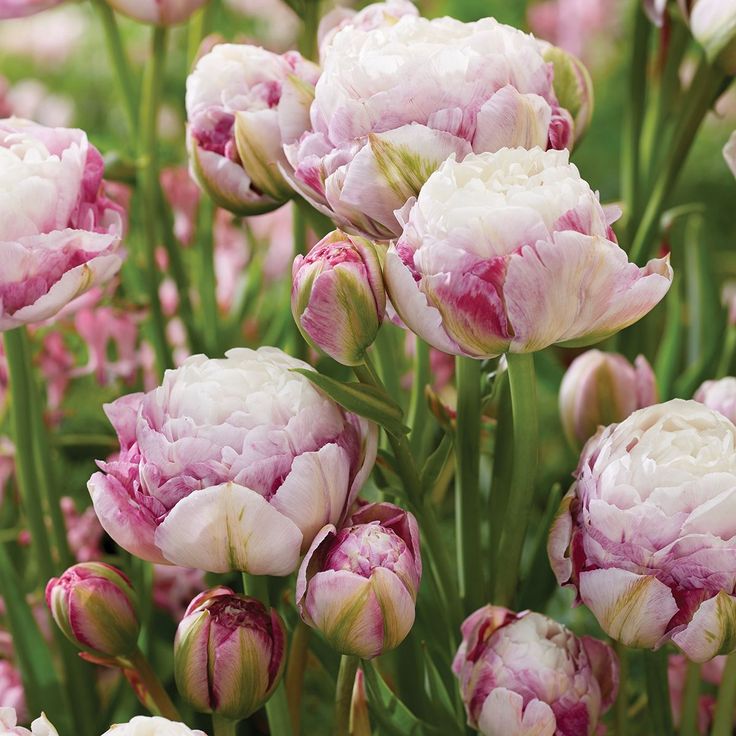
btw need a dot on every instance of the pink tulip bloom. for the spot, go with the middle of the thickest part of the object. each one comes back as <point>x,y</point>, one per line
<point>22,8</point>
<point>183,195</point>
<point>157,12</point>
<point>59,234</point>
<point>523,674</point>
<point>242,103</point>
<point>601,388</point>
<point>444,88</point>
<point>646,534</point>
<point>358,585</point>
<point>512,251</point>
<point>229,653</point>
<point>231,464</point>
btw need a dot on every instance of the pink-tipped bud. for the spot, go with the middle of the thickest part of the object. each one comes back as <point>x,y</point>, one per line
<point>337,296</point>
<point>97,609</point>
<point>358,585</point>
<point>228,653</point>
<point>602,388</point>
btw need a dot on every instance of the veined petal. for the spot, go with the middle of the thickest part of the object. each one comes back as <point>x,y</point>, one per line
<point>504,714</point>
<point>397,606</point>
<point>711,631</point>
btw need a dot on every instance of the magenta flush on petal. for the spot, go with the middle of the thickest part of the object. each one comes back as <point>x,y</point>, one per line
<point>243,102</point>
<point>450,88</point>
<point>157,12</point>
<point>23,8</point>
<point>601,388</point>
<point>231,464</point>
<point>59,234</point>
<point>229,653</point>
<point>512,251</point>
<point>647,534</point>
<point>358,585</point>
<point>523,674</point>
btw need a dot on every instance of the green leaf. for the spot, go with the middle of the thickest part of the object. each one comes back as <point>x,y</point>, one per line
<point>387,710</point>
<point>366,401</point>
<point>446,714</point>
<point>435,463</point>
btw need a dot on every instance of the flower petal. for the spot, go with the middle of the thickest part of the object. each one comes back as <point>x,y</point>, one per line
<point>504,714</point>
<point>711,631</point>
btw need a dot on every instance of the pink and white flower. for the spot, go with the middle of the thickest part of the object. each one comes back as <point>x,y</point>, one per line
<point>512,251</point>
<point>22,8</point>
<point>395,101</point>
<point>59,234</point>
<point>523,674</point>
<point>720,396</point>
<point>158,12</point>
<point>646,535</point>
<point>227,456</point>
<point>152,726</point>
<point>242,103</point>
<point>9,725</point>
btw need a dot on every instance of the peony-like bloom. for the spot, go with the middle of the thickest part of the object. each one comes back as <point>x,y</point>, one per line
<point>59,234</point>
<point>152,726</point>
<point>231,464</point>
<point>337,296</point>
<point>96,608</point>
<point>394,102</point>
<point>713,24</point>
<point>229,653</point>
<point>720,396</point>
<point>375,15</point>
<point>158,12</point>
<point>523,674</point>
<point>358,585</point>
<point>23,8</point>
<point>601,388</point>
<point>242,103</point>
<point>647,534</point>
<point>729,153</point>
<point>512,251</point>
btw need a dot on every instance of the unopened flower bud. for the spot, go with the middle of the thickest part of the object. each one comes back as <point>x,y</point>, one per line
<point>228,653</point>
<point>358,585</point>
<point>337,296</point>
<point>713,24</point>
<point>600,389</point>
<point>97,609</point>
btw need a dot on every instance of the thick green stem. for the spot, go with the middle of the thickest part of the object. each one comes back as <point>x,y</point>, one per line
<point>634,118</point>
<point>223,726</point>
<point>148,188</point>
<point>344,694</point>
<point>467,491</point>
<point>418,410</point>
<point>729,348</point>
<point>277,707</point>
<point>208,281</point>
<point>621,708</point>
<point>658,693</point>
<point>295,667</point>
<point>723,717</point>
<point>522,383</point>
<point>702,93</point>
<point>151,692</point>
<point>690,701</point>
<point>200,25</point>
<point>310,22</point>
<point>120,63</point>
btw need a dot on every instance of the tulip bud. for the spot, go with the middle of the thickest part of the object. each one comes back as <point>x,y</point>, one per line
<point>713,24</point>
<point>228,653</point>
<point>97,609</point>
<point>600,389</point>
<point>573,87</point>
<point>358,585</point>
<point>337,296</point>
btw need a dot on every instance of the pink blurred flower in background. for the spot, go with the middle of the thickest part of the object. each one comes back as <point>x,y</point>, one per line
<point>226,456</point>
<point>12,694</point>
<point>174,587</point>
<point>31,99</point>
<point>183,195</point>
<point>711,673</point>
<point>719,395</point>
<point>84,531</point>
<point>729,153</point>
<point>278,23</point>
<point>158,12</point>
<point>59,233</point>
<point>7,464</point>
<point>22,8</point>
<point>512,251</point>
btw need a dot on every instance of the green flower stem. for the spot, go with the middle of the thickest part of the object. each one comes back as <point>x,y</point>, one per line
<point>729,348</point>
<point>152,693</point>
<point>148,183</point>
<point>208,280</point>
<point>522,382</point>
<point>658,693</point>
<point>223,726</point>
<point>421,507</point>
<point>621,707</point>
<point>418,410</point>
<point>310,22</point>
<point>344,694</point>
<point>120,63</point>
<point>690,698</point>
<point>467,491</point>
<point>295,667</point>
<point>723,716</point>
<point>200,25</point>
<point>299,230</point>
<point>703,92</point>
<point>634,118</point>
<point>277,707</point>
